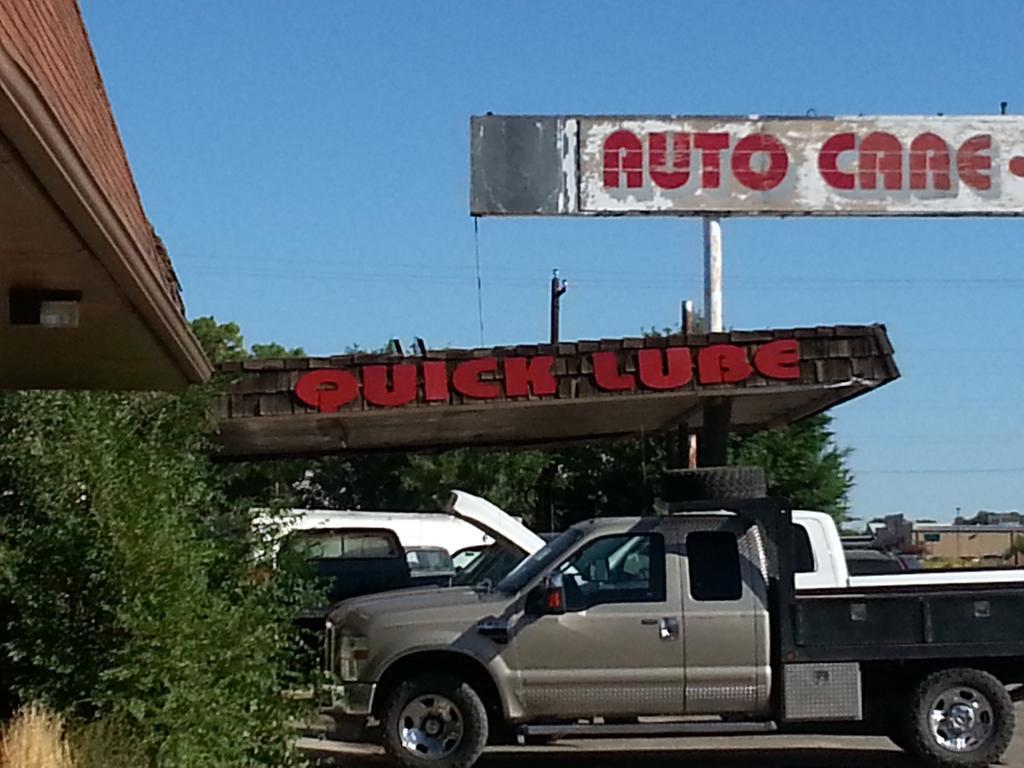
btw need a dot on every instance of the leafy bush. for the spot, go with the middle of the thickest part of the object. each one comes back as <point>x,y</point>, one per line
<point>103,744</point>
<point>128,578</point>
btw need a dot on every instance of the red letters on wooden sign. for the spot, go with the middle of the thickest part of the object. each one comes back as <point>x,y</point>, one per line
<point>435,381</point>
<point>654,373</point>
<point>779,360</point>
<point>526,375</point>
<point>327,390</point>
<point>466,378</point>
<point>659,369</point>
<point>723,364</point>
<point>402,389</point>
<point>607,375</point>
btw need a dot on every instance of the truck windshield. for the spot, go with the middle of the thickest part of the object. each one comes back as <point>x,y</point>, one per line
<point>538,562</point>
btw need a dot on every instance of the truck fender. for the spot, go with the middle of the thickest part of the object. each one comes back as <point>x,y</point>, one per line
<point>490,674</point>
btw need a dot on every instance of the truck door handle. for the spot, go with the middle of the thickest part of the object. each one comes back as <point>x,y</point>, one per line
<point>669,628</point>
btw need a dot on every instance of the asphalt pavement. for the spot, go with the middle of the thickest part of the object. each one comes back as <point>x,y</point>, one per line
<point>704,752</point>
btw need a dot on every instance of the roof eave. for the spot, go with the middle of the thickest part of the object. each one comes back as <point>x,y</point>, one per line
<point>34,130</point>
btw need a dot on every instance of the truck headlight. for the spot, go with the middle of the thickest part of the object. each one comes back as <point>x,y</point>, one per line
<point>353,653</point>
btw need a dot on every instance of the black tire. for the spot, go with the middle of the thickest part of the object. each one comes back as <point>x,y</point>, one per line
<point>469,708</point>
<point>899,737</point>
<point>713,483</point>
<point>922,743</point>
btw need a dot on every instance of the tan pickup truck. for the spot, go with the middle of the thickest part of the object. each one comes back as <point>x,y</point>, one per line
<point>684,623</point>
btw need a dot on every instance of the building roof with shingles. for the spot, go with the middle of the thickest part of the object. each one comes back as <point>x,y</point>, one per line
<point>48,40</point>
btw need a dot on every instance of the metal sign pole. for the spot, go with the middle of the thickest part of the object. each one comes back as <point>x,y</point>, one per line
<point>714,442</point>
<point>713,274</point>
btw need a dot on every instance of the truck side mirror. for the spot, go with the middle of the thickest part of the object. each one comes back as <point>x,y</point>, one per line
<point>548,597</point>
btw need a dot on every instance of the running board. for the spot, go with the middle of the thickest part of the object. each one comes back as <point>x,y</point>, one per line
<point>649,729</point>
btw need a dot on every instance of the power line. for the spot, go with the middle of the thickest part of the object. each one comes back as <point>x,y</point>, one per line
<point>647,277</point>
<point>951,471</point>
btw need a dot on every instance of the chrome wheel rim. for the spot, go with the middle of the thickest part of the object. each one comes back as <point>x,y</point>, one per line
<point>431,727</point>
<point>961,719</point>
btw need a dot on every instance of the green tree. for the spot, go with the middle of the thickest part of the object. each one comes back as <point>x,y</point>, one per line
<point>506,478</point>
<point>223,342</point>
<point>803,463</point>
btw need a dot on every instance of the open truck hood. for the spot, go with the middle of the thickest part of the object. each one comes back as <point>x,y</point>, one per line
<point>494,521</point>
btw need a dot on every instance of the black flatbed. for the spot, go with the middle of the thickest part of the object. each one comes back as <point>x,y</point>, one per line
<point>981,624</point>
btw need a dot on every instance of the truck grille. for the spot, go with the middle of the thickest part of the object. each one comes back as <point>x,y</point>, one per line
<point>330,652</point>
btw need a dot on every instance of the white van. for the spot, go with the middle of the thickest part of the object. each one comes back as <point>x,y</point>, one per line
<point>414,529</point>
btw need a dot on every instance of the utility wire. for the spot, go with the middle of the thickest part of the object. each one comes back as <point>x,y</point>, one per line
<point>950,471</point>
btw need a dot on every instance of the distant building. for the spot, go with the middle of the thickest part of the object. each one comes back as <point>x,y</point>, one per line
<point>991,518</point>
<point>986,536</point>
<point>965,542</point>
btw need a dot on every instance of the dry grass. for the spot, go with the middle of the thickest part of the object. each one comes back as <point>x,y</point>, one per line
<point>35,739</point>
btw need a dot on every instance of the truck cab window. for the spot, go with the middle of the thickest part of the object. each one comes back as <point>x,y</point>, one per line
<point>332,545</point>
<point>616,569</point>
<point>803,554</point>
<point>713,560</point>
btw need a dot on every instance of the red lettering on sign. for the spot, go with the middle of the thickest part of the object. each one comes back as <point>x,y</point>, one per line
<point>880,153</point>
<point>435,381</point>
<point>778,162</point>
<point>656,373</point>
<point>466,378</point>
<point>973,162</point>
<point>607,375</point>
<point>661,369</point>
<point>526,375</point>
<point>779,359</point>
<point>623,152</point>
<point>722,364</point>
<point>828,161</point>
<point>680,164</point>
<point>929,154</point>
<point>711,146</point>
<point>402,389</point>
<point>327,390</point>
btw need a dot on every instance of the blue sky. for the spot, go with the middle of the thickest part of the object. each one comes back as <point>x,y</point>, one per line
<point>307,166</point>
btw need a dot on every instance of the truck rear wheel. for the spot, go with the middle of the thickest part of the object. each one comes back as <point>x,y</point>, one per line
<point>434,720</point>
<point>960,718</point>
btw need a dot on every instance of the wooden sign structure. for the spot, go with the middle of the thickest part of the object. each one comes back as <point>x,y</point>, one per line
<point>544,394</point>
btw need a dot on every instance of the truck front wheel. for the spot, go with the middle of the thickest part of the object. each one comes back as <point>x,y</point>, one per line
<point>434,720</point>
<point>960,718</point>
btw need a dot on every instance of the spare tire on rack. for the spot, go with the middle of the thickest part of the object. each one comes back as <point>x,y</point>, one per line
<point>713,483</point>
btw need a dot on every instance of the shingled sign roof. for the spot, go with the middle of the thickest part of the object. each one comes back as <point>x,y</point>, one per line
<point>311,405</point>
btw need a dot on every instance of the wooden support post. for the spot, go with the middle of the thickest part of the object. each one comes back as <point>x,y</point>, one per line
<point>713,448</point>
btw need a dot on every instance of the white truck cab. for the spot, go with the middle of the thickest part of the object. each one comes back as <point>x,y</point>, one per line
<point>820,563</point>
<point>819,559</point>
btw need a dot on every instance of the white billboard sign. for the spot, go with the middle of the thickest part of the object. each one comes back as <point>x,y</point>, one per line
<point>878,165</point>
<point>884,166</point>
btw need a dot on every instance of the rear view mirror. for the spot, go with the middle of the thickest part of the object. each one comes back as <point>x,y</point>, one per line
<point>548,597</point>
